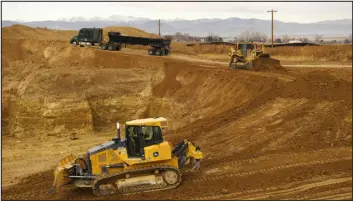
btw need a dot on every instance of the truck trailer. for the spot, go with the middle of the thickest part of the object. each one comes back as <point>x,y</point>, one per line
<point>92,36</point>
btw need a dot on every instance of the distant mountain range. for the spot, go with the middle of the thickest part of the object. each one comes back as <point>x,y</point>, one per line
<point>202,27</point>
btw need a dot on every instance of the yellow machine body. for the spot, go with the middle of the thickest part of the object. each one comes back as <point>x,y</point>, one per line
<point>242,55</point>
<point>142,158</point>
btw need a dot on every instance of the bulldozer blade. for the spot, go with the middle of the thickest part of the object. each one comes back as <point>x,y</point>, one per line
<point>61,173</point>
<point>265,55</point>
<point>241,65</point>
<point>51,191</point>
<point>266,63</point>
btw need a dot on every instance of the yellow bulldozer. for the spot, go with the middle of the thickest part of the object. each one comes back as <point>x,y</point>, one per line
<point>251,56</point>
<point>140,161</point>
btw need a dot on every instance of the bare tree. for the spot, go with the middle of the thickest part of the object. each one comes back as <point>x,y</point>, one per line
<point>248,36</point>
<point>278,40</point>
<point>213,38</point>
<point>258,36</point>
<point>285,38</point>
<point>333,42</point>
<point>244,36</point>
<point>318,38</point>
<point>304,40</point>
<point>348,40</point>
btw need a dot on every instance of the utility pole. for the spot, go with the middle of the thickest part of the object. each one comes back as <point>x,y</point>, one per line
<point>272,11</point>
<point>159,27</point>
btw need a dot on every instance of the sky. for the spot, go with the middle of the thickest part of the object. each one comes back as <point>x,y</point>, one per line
<point>301,12</point>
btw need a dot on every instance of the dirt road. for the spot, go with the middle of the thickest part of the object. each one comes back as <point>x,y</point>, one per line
<point>265,135</point>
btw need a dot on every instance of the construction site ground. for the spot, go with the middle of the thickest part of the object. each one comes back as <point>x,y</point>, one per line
<point>274,134</point>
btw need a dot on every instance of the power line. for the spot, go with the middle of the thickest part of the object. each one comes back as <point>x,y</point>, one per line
<point>272,11</point>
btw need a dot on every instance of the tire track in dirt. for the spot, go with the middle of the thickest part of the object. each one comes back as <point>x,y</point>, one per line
<point>279,189</point>
<point>261,158</point>
<point>266,170</point>
<point>301,188</point>
<point>265,157</point>
<point>327,194</point>
<point>338,196</point>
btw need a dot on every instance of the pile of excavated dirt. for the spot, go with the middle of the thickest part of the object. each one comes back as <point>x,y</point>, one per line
<point>129,31</point>
<point>265,135</point>
<point>25,32</point>
<point>267,64</point>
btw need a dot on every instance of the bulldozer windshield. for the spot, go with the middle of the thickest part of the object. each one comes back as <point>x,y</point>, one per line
<point>243,47</point>
<point>139,137</point>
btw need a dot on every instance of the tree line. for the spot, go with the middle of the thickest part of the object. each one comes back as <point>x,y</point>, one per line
<point>249,36</point>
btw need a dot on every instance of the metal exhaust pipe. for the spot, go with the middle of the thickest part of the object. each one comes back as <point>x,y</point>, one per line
<point>118,130</point>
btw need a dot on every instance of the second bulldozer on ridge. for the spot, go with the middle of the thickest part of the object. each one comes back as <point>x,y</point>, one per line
<point>251,56</point>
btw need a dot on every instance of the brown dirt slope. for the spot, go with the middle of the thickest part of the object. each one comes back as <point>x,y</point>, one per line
<point>264,135</point>
<point>25,32</point>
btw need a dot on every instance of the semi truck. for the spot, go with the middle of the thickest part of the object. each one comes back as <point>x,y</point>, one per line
<point>88,36</point>
<point>93,36</point>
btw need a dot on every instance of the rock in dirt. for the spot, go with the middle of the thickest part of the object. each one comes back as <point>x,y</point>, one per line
<point>73,136</point>
<point>224,191</point>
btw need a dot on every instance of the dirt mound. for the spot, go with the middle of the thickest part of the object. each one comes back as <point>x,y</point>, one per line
<point>129,31</point>
<point>267,64</point>
<point>25,32</point>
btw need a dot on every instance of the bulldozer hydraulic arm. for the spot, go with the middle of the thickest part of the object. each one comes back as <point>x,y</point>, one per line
<point>186,150</point>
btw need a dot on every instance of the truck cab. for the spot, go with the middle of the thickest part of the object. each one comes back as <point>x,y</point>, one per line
<point>88,36</point>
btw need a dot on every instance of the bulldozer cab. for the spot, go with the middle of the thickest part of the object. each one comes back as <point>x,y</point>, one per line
<point>248,50</point>
<point>142,134</point>
<point>244,48</point>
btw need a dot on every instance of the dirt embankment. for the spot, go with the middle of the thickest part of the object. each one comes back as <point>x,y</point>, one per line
<point>271,135</point>
<point>25,32</point>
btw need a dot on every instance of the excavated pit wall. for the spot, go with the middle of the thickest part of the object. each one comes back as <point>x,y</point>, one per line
<point>55,88</point>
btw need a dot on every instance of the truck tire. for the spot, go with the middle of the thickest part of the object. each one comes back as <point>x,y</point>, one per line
<point>111,47</point>
<point>118,47</point>
<point>158,52</point>
<point>151,51</point>
<point>104,46</point>
<point>166,51</point>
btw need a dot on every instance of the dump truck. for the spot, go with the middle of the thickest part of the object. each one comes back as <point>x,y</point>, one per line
<point>141,160</point>
<point>251,56</point>
<point>94,36</point>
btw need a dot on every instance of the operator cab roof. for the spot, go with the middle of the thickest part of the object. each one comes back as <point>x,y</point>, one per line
<point>147,121</point>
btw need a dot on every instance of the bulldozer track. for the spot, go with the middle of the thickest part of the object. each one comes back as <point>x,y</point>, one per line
<point>317,179</point>
<point>137,190</point>
<point>240,174</point>
<point>261,158</point>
